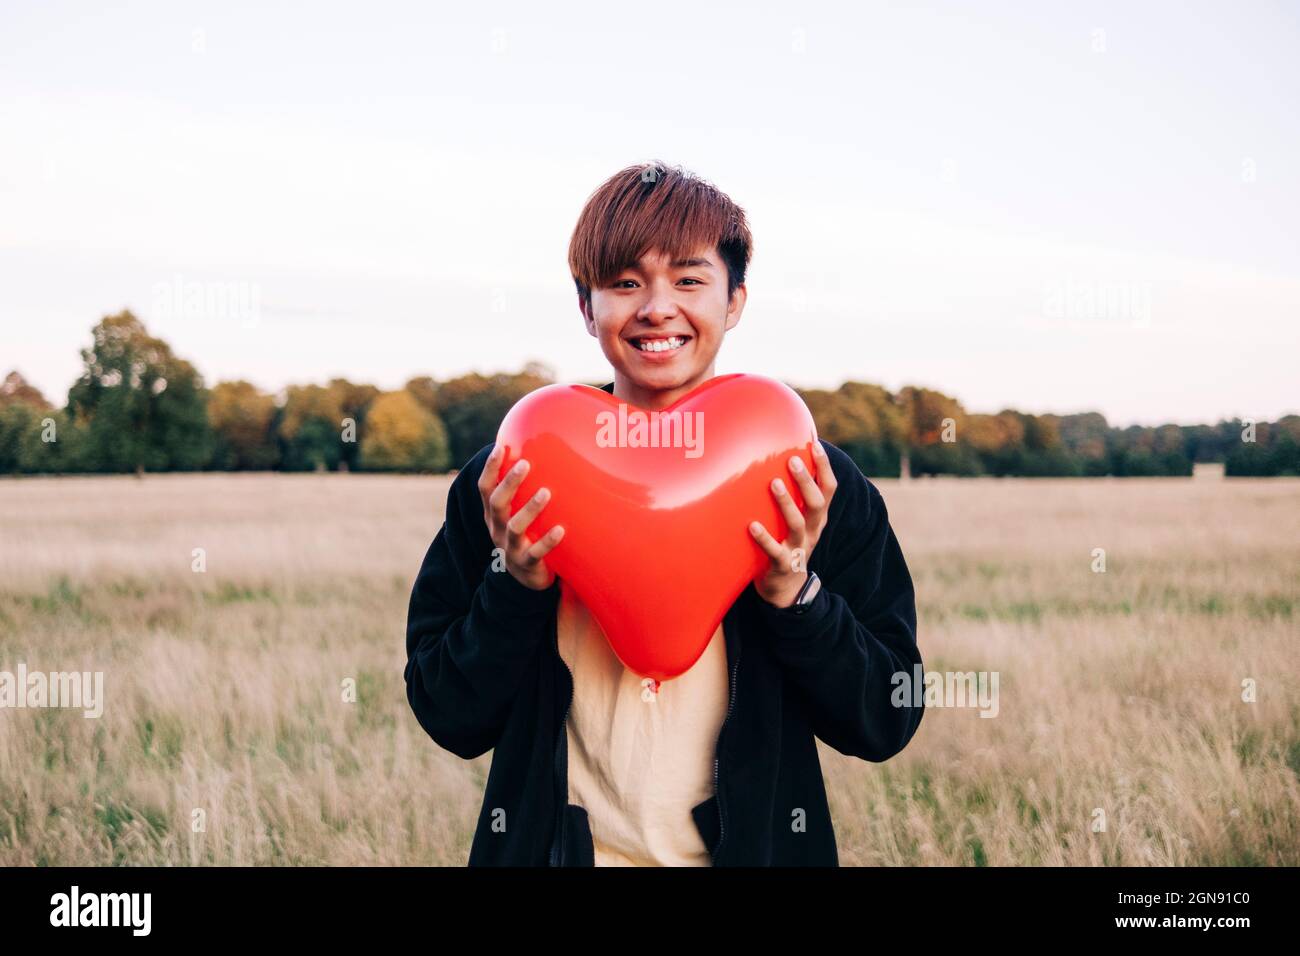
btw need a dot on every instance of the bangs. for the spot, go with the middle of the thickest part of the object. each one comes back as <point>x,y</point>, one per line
<point>649,207</point>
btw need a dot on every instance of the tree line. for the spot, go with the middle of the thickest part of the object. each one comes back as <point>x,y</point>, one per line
<point>138,407</point>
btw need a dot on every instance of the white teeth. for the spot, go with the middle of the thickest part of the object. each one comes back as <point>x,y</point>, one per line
<point>660,345</point>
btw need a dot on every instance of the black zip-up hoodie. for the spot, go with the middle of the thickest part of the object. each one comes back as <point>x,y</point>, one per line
<point>484,673</point>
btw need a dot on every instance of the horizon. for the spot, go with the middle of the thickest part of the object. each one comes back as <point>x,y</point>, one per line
<point>279,392</point>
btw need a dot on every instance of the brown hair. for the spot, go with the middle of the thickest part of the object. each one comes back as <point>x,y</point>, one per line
<point>654,206</point>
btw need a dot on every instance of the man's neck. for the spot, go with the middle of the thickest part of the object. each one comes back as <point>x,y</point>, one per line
<point>655,399</point>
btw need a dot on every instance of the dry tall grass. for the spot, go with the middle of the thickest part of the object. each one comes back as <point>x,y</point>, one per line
<point>1120,691</point>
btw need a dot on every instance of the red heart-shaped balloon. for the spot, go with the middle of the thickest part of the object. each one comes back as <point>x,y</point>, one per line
<point>656,506</point>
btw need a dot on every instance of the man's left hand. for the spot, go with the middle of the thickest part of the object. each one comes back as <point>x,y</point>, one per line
<point>789,568</point>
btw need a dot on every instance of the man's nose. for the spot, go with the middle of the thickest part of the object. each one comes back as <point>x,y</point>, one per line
<point>659,307</point>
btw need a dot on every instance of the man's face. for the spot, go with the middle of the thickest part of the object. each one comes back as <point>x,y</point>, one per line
<point>660,324</point>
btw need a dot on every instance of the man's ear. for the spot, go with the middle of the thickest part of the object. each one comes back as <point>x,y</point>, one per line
<point>735,306</point>
<point>585,308</point>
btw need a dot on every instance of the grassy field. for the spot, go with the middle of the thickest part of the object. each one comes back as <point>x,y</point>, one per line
<point>1119,691</point>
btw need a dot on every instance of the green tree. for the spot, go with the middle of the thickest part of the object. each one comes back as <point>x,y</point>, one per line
<point>142,407</point>
<point>22,410</point>
<point>473,405</point>
<point>39,441</point>
<point>354,401</point>
<point>311,428</point>
<point>17,420</point>
<point>864,421</point>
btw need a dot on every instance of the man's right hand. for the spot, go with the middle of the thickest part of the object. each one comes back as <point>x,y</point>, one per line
<point>523,559</point>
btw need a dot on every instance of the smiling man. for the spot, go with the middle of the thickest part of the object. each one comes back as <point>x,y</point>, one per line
<point>661,321</point>
<point>591,764</point>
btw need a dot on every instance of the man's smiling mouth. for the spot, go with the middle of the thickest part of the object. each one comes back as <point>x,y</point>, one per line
<point>659,343</point>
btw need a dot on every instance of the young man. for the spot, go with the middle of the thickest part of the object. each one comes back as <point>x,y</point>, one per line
<point>718,766</point>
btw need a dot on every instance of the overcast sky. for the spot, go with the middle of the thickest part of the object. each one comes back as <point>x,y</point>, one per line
<point>1053,207</point>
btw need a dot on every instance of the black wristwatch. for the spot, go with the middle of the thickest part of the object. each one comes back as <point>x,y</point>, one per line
<point>803,600</point>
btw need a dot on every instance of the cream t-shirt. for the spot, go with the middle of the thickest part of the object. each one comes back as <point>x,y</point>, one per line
<point>639,759</point>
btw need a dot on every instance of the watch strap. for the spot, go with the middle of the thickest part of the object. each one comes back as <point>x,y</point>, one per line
<point>801,600</point>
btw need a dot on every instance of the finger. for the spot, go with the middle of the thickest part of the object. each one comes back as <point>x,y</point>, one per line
<point>785,501</point>
<point>544,545</point>
<point>775,550</point>
<point>812,495</point>
<point>487,479</point>
<point>825,473</point>
<point>525,515</point>
<point>505,492</point>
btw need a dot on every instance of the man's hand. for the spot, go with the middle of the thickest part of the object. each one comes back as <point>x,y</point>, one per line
<point>789,568</point>
<point>523,559</point>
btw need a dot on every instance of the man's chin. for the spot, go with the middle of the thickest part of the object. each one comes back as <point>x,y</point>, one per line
<point>658,380</point>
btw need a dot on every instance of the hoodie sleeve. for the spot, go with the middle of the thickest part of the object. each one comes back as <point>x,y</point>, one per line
<point>472,633</point>
<point>858,632</point>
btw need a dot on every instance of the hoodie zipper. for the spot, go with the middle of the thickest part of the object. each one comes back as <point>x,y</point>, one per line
<point>717,788</point>
<point>562,796</point>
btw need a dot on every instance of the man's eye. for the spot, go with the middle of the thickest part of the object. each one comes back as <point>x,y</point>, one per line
<point>619,282</point>
<point>696,281</point>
